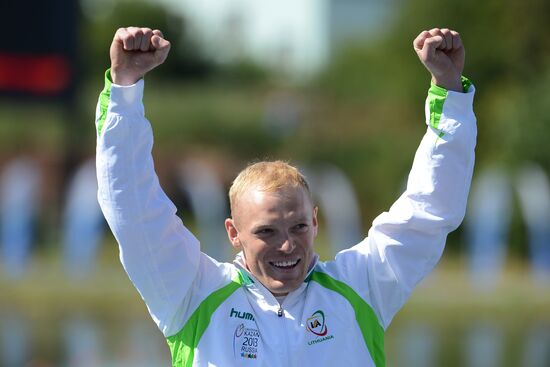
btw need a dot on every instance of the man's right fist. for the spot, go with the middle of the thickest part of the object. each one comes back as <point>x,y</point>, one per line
<point>134,52</point>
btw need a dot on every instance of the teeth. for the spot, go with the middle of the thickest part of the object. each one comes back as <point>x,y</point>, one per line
<point>285,264</point>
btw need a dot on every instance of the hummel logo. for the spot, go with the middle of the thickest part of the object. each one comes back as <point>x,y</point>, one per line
<point>241,315</point>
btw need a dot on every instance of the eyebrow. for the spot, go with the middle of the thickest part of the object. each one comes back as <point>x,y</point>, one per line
<point>261,225</point>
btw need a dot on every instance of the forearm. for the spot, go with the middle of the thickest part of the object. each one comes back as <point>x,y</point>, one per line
<point>439,180</point>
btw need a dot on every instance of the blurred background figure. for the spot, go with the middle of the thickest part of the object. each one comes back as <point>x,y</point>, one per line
<point>487,224</point>
<point>534,199</point>
<point>536,352</point>
<point>484,346</point>
<point>19,185</point>
<point>83,223</point>
<point>209,205</point>
<point>142,347</point>
<point>82,342</point>
<point>338,206</point>
<point>14,340</point>
<point>418,346</point>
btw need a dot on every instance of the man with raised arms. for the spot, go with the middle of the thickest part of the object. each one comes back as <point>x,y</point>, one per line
<point>277,304</point>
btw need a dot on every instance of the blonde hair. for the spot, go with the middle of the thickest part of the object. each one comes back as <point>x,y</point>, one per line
<point>268,176</point>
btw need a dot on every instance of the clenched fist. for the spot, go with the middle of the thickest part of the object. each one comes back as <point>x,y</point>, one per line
<point>442,53</point>
<point>134,52</point>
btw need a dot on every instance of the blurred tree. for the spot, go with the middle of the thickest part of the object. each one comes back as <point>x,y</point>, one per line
<point>99,26</point>
<point>508,58</point>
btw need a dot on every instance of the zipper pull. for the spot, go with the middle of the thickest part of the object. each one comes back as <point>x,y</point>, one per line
<point>280,312</point>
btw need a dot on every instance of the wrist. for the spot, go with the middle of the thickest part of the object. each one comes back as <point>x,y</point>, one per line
<point>453,83</point>
<point>120,77</point>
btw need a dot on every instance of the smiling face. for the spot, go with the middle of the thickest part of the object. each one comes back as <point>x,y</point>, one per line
<point>275,230</point>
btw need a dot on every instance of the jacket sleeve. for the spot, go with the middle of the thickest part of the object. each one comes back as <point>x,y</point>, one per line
<point>159,254</point>
<point>405,243</point>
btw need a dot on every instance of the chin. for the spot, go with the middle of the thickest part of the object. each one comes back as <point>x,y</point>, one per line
<point>283,289</point>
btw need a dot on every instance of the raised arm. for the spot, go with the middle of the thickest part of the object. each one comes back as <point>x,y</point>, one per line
<point>159,254</point>
<point>405,243</point>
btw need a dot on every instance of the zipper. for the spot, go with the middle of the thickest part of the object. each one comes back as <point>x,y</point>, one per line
<point>284,355</point>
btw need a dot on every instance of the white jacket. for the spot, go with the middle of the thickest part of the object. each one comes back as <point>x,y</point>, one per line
<point>217,314</point>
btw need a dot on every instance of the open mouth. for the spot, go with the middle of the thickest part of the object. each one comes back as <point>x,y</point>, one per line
<point>287,264</point>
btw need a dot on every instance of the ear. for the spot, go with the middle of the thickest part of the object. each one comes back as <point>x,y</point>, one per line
<point>314,220</point>
<point>232,233</point>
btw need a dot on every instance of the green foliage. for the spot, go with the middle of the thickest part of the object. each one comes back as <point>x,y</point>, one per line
<point>508,59</point>
<point>185,61</point>
<point>241,72</point>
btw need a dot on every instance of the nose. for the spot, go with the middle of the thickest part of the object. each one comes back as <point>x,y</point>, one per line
<point>288,245</point>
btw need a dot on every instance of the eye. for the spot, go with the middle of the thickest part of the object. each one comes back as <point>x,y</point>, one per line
<point>263,232</point>
<point>301,227</point>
